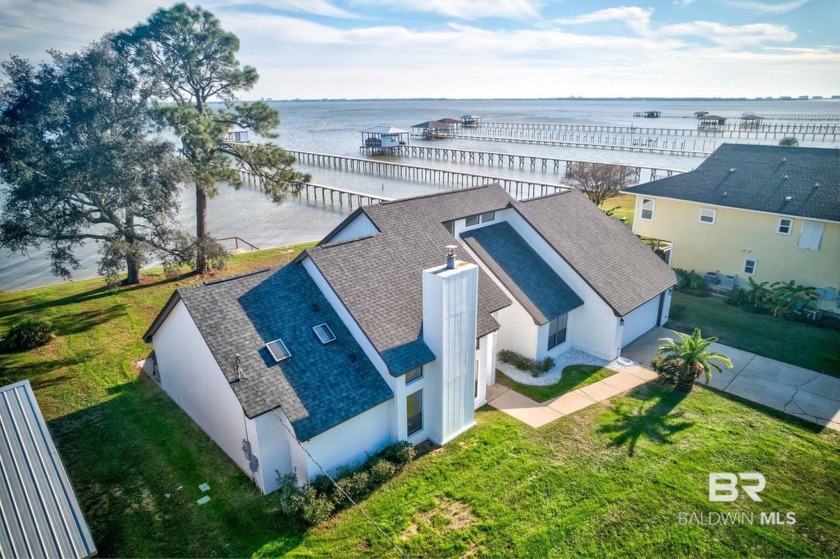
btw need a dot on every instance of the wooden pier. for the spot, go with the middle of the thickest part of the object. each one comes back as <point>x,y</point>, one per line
<point>557,166</point>
<point>534,138</point>
<point>614,134</point>
<point>314,190</point>
<point>518,188</point>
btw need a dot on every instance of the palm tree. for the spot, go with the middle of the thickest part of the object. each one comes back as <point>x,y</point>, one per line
<point>689,358</point>
<point>789,142</point>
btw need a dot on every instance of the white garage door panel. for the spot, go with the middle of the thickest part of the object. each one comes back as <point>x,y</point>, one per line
<point>640,321</point>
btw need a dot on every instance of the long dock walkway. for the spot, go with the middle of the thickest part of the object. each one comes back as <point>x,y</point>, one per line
<point>326,191</point>
<point>577,132</point>
<point>533,137</point>
<point>510,160</point>
<point>518,188</point>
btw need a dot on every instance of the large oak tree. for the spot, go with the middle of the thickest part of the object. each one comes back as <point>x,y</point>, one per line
<point>599,181</point>
<point>191,60</point>
<point>79,164</point>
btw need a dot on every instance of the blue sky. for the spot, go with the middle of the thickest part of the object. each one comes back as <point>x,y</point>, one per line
<point>489,48</point>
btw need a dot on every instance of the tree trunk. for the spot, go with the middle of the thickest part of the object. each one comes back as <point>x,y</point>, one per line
<point>132,259</point>
<point>202,266</point>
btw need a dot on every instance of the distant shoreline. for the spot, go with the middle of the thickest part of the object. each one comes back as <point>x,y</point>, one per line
<point>641,99</point>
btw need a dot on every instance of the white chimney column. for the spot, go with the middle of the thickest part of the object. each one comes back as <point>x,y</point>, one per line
<point>450,302</point>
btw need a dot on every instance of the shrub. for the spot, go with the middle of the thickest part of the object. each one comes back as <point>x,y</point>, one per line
<point>357,485</point>
<point>738,297</point>
<point>28,333</point>
<point>689,281</point>
<point>382,471</point>
<point>314,508</point>
<point>545,365</point>
<point>524,364</point>
<point>760,296</point>
<point>400,454</point>
<point>289,494</point>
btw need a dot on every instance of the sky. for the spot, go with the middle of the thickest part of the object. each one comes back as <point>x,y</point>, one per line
<point>487,48</point>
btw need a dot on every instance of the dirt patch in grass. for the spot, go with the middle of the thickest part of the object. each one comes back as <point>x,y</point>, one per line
<point>448,514</point>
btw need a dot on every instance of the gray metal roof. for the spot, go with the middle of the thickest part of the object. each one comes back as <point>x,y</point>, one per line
<point>39,513</point>
<point>528,277</point>
<point>602,250</point>
<point>379,278</point>
<point>320,385</point>
<point>763,179</point>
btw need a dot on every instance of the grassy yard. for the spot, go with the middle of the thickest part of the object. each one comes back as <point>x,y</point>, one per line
<point>625,207</point>
<point>609,480</point>
<point>574,377</point>
<point>798,343</point>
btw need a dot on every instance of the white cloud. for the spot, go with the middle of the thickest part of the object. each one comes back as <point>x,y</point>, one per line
<point>730,35</point>
<point>314,7</point>
<point>683,3</point>
<point>467,9</point>
<point>637,19</point>
<point>769,7</point>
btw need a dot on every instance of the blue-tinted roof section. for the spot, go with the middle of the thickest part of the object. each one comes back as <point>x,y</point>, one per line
<point>522,271</point>
<point>407,357</point>
<point>320,385</point>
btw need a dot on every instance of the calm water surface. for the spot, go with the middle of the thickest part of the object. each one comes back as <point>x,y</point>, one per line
<point>333,127</point>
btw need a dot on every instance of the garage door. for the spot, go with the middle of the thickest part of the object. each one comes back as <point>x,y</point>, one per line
<point>640,321</point>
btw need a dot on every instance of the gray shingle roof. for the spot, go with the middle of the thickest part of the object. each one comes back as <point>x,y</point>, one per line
<point>379,278</point>
<point>764,177</point>
<point>528,277</point>
<point>603,251</point>
<point>320,385</point>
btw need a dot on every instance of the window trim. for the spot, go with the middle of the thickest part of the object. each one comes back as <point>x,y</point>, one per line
<point>408,417</point>
<point>642,209</point>
<point>324,326</point>
<point>467,219</point>
<point>700,216</point>
<point>414,379</point>
<point>789,226</point>
<point>564,331</point>
<point>282,346</point>
<point>812,225</point>
<point>488,216</point>
<point>754,266</point>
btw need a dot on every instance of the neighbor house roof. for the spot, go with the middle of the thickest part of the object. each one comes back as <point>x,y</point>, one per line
<point>378,278</point>
<point>39,513</point>
<point>320,385</point>
<point>794,181</point>
<point>524,274</point>
<point>601,249</point>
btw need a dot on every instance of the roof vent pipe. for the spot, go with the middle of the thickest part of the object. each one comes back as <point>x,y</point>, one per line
<point>450,256</point>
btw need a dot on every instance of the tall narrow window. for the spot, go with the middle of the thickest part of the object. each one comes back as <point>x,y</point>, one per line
<point>557,331</point>
<point>647,209</point>
<point>477,369</point>
<point>785,226</point>
<point>414,411</point>
<point>750,266</point>
<point>811,235</point>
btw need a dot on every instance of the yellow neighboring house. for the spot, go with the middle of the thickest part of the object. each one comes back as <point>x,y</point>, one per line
<point>766,212</point>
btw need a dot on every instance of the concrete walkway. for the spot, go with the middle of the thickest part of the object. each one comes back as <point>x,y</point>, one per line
<point>806,394</point>
<point>537,414</point>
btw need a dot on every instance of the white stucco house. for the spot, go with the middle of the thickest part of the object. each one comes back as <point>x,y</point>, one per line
<point>388,329</point>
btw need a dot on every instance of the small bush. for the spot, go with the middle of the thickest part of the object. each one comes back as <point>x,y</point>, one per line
<point>738,297</point>
<point>28,333</point>
<point>522,363</point>
<point>289,494</point>
<point>357,485</point>
<point>689,281</point>
<point>400,454</point>
<point>314,508</point>
<point>382,471</point>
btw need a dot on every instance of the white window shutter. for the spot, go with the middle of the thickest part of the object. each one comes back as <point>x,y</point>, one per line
<point>811,235</point>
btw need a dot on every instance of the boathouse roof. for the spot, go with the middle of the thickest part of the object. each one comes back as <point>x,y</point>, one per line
<point>384,129</point>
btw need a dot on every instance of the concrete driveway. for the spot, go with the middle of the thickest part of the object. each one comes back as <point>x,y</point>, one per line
<point>809,395</point>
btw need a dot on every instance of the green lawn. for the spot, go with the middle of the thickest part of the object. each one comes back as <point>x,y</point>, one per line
<point>625,205</point>
<point>798,343</point>
<point>608,480</point>
<point>574,377</point>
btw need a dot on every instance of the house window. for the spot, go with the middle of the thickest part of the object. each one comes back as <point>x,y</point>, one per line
<point>750,266</point>
<point>278,350</point>
<point>707,216</point>
<point>325,335</point>
<point>647,209</point>
<point>785,226</point>
<point>488,216</point>
<point>414,375</point>
<point>811,235</point>
<point>557,331</point>
<point>473,220</point>
<point>414,411</point>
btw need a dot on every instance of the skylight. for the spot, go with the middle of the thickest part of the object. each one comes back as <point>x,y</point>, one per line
<point>324,333</point>
<point>278,350</point>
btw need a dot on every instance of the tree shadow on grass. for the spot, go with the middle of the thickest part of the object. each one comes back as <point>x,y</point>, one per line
<point>657,422</point>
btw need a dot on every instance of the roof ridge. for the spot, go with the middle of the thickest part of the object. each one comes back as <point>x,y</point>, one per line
<point>230,278</point>
<point>440,193</point>
<point>544,196</point>
<point>345,241</point>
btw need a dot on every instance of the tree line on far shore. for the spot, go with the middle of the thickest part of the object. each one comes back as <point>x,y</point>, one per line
<point>82,162</point>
